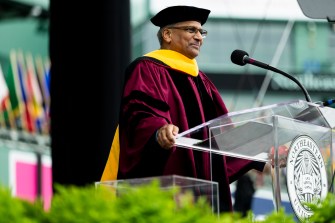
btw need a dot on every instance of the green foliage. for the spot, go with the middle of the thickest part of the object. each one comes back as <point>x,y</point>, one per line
<point>279,216</point>
<point>232,218</point>
<point>143,204</point>
<point>16,210</point>
<point>325,211</point>
<point>85,204</point>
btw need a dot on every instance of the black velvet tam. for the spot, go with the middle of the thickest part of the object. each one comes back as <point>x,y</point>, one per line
<point>180,13</point>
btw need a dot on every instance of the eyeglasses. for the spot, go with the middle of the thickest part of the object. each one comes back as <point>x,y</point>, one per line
<point>191,29</point>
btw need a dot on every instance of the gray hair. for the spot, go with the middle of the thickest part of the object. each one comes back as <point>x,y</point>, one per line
<point>160,35</point>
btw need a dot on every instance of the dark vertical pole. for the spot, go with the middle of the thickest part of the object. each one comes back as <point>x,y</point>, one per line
<point>39,174</point>
<point>89,48</point>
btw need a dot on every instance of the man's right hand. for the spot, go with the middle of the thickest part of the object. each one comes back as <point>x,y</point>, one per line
<point>166,136</point>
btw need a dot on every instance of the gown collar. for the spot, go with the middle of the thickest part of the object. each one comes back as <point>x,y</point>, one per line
<point>176,61</point>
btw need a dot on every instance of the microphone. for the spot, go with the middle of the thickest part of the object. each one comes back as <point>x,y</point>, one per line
<point>241,58</point>
<point>328,102</point>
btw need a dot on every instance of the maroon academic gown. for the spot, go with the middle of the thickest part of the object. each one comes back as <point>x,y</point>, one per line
<point>155,95</point>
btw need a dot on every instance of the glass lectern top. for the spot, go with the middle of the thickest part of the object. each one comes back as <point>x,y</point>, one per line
<point>251,133</point>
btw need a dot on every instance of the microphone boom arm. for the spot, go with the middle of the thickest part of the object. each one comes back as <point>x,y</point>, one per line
<point>308,98</point>
<point>249,60</point>
<point>242,58</point>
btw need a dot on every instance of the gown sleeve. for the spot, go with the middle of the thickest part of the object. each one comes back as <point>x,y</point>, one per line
<point>143,111</point>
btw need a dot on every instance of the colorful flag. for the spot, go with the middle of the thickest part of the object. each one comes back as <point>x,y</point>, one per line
<point>28,97</point>
<point>5,106</point>
<point>43,80</point>
<point>13,86</point>
<point>26,93</point>
<point>4,92</point>
<point>47,66</point>
<point>35,94</point>
<point>4,96</point>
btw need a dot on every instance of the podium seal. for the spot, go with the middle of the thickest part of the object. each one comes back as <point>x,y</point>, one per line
<point>306,175</point>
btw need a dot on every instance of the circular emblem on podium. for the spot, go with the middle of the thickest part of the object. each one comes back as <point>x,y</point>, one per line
<point>306,175</point>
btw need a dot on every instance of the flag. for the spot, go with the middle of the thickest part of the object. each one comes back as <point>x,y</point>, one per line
<point>35,96</point>
<point>44,82</point>
<point>4,96</point>
<point>16,107</point>
<point>4,92</point>
<point>47,75</point>
<point>26,93</point>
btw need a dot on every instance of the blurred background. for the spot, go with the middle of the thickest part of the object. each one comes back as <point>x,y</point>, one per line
<point>61,75</point>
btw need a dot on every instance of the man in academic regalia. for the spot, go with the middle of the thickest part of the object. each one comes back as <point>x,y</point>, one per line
<point>166,93</point>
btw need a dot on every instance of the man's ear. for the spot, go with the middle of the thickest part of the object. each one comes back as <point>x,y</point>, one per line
<point>167,35</point>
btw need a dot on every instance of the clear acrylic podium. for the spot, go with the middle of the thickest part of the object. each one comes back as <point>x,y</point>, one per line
<point>258,133</point>
<point>197,187</point>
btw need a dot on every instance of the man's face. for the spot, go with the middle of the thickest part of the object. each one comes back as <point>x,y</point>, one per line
<point>186,39</point>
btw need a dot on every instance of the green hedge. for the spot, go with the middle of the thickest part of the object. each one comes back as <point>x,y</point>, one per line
<point>144,204</point>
